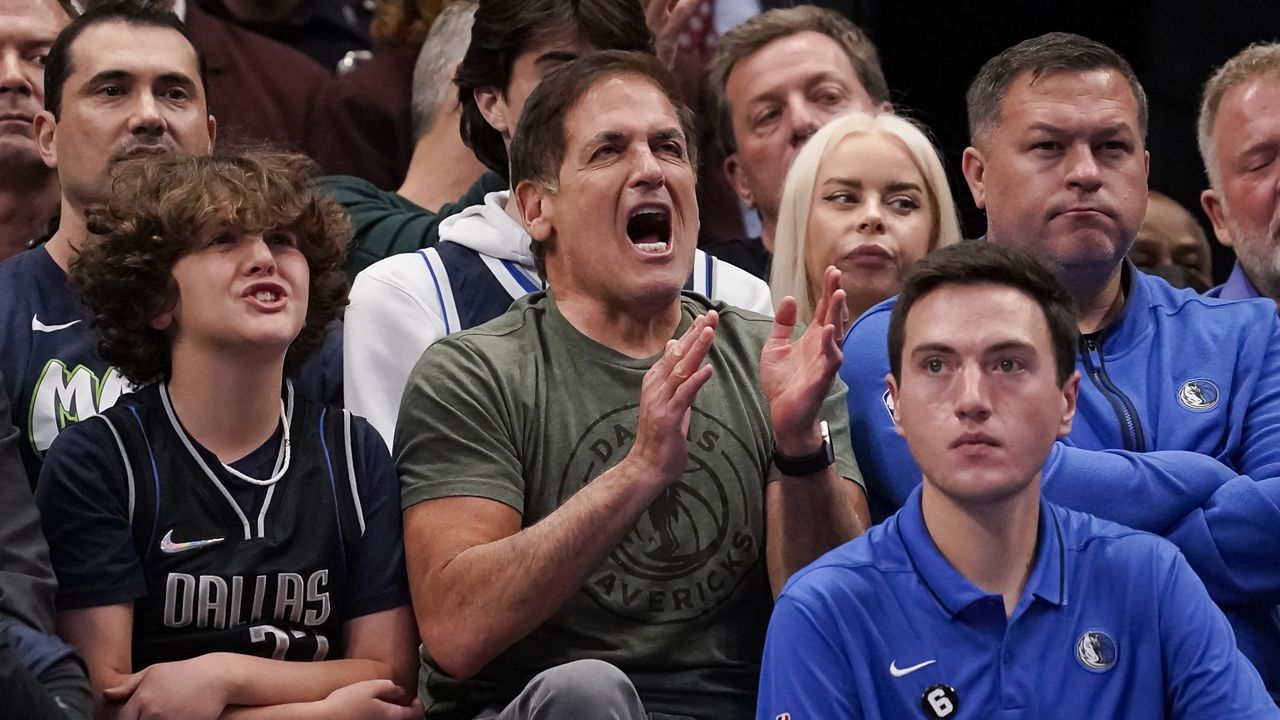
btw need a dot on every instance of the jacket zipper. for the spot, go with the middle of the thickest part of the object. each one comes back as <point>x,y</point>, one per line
<point>1126,413</point>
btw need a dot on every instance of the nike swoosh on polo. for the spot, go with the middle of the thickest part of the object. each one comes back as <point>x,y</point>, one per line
<point>37,326</point>
<point>167,545</point>
<point>895,671</point>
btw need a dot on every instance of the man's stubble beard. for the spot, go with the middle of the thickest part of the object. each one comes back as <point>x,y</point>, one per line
<point>1259,256</point>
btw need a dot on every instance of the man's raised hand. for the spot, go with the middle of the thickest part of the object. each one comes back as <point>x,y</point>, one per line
<point>666,18</point>
<point>796,376</point>
<point>666,396</point>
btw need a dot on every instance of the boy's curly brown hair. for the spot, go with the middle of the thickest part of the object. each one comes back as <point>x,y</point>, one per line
<point>154,217</point>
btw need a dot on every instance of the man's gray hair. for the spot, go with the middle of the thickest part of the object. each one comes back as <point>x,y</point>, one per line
<point>1257,60</point>
<point>444,47</point>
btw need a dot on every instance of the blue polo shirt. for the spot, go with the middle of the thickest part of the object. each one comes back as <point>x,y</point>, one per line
<point>1112,624</point>
<point>1176,432</point>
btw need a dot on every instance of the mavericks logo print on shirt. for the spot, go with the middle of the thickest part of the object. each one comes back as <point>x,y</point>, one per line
<point>63,396</point>
<point>697,541</point>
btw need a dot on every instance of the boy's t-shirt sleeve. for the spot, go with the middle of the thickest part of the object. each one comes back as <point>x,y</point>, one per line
<point>83,498</point>
<point>376,579</point>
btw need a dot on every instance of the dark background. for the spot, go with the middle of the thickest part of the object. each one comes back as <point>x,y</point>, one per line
<point>930,52</point>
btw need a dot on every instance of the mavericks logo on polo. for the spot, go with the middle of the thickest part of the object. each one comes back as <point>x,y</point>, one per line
<point>1096,651</point>
<point>698,540</point>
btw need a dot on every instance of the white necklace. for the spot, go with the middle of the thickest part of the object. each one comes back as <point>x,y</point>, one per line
<point>281,468</point>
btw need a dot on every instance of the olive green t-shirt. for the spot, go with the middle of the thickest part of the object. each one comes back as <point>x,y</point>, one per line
<point>526,410</point>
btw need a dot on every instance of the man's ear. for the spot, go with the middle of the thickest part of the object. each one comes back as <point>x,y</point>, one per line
<point>886,107</point>
<point>973,165</point>
<point>493,106</point>
<point>213,131</point>
<point>536,206</point>
<point>1217,212</point>
<point>1070,391</point>
<point>893,399</point>
<point>738,179</point>
<point>46,130</point>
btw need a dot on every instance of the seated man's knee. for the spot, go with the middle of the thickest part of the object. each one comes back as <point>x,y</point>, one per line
<point>584,688</point>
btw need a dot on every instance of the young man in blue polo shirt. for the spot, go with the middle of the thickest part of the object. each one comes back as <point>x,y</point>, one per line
<point>979,598</point>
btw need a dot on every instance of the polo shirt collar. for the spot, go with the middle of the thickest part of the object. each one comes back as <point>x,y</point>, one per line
<point>952,591</point>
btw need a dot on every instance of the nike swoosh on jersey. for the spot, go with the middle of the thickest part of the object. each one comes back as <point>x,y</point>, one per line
<point>895,671</point>
<point>167,545</point>
<point>37,326</point>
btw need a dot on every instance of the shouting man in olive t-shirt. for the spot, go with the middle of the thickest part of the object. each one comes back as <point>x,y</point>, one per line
<point>602,486</point>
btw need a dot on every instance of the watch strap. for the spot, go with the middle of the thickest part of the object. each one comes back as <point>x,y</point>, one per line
<point>816,462</point>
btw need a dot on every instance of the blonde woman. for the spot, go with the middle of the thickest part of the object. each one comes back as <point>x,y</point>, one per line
<point>868,195</point>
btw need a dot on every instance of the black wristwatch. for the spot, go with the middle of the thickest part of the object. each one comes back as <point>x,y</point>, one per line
<point>808,464</point>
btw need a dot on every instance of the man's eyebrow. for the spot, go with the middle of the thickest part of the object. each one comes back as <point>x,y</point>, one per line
<point>933,347</point>
<point>823,76</point>
<point>108,76</point>
<point>1115,128</point>
<point>606,136</point>
<point>1256,147</point>
<point>669,133</point>
<point>1007,345</point>
<point>1002,346</point>
<point>177,78</point>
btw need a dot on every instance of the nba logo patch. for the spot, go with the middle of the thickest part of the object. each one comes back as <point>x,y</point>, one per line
<point>887,398</point>
<point>1198,395</point>
<point>783,716</point>
<point>1096,651</point>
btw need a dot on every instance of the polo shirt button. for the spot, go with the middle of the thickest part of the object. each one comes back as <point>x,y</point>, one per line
<point>1008,656</point>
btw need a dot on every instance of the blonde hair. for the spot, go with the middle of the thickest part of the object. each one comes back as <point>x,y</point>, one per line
<point>789,275</point>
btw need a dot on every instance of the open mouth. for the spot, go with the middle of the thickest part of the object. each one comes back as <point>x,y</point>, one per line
<point>649,229</point>
<point>266,294</point>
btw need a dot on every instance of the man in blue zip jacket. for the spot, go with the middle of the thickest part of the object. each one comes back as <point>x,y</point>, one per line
<point>1178,426</point>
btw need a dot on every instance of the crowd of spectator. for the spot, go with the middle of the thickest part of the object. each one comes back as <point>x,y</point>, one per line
<point>506,359</point>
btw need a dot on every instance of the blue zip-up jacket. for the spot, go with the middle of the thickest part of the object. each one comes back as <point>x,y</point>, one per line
<point>1177,432</point>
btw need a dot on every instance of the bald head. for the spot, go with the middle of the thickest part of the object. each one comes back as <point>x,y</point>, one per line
<point>1172,244</point>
